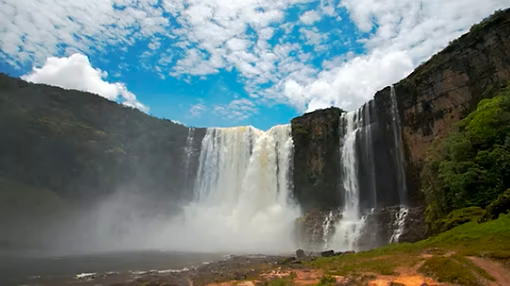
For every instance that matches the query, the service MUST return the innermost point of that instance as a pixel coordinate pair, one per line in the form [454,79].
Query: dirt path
[495,269]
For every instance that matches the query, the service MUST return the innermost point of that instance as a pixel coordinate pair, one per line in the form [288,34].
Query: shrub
[497,207]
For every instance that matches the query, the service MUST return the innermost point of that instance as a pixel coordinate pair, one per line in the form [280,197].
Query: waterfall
[348,229]
[400,171]
[399,149]
[243,193]
[398,224]
[326,225]
[368,153]
[188,151]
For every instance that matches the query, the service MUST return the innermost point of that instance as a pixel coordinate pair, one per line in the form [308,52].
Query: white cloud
[236,110]
[310,17]
[76,72]
[37,30]
[197,109]
[177,122]
[212,36]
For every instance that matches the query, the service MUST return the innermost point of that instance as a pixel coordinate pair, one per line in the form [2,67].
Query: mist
[241,202]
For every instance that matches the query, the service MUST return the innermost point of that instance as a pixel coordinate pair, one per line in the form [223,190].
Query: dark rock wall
[316,159]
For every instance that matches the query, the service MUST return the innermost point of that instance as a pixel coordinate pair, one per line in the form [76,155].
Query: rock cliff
[446,88]
[429,101]
[316,169]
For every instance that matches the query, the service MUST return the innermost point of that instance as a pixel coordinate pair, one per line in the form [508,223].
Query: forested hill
[81,147]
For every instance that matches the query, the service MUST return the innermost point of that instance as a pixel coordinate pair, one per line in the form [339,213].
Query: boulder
[328,253]
[300,253]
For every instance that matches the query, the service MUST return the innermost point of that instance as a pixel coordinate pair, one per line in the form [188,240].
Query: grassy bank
[442,257]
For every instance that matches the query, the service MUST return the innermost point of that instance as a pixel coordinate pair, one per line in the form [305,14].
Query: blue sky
[226,62]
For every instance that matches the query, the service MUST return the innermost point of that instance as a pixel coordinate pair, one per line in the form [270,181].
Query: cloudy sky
[229,62]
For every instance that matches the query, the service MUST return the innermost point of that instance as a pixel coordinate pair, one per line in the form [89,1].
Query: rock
[396,284]
[316,168]
[328,253]
[310,228]
[300,253]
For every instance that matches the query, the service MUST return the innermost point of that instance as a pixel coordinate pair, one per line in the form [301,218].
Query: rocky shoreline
[232,268]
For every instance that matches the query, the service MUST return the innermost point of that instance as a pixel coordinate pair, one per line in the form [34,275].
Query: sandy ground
[495,269]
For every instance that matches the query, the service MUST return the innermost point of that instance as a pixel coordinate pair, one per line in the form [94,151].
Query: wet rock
[328,253]
[310,228]
[300,253]
[414,227]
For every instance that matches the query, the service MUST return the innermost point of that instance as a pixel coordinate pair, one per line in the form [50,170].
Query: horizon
[226,64]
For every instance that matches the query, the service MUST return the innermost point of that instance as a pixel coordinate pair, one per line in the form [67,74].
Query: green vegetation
[446,269]
[471,167]
[497,207]
[25,198]
[483,24]
[458,217]
[84,147]
[470,265]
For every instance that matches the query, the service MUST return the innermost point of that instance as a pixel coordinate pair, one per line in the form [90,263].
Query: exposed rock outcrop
[316,156]
[315,228]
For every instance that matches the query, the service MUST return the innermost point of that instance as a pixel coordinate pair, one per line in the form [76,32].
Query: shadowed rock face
[316,159]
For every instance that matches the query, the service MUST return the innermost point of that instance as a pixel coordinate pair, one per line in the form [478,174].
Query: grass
[446,269]
[469,264]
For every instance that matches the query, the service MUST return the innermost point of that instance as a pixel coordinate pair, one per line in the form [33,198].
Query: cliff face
[428,102]
[316,159]
[447,87]
[83,147]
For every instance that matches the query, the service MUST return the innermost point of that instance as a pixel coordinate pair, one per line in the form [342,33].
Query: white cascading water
[400,163]
[188,151]
[399,149]
[242,194]
[399,223]
[348,229]
[326,225]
